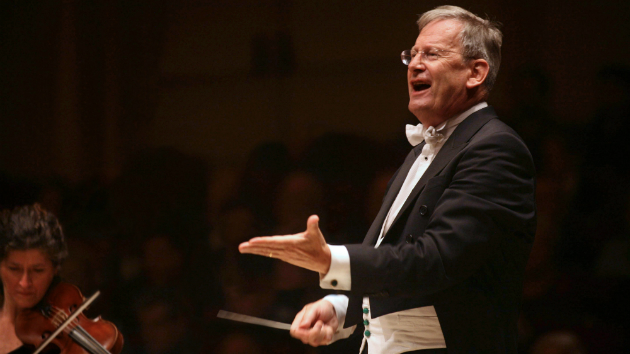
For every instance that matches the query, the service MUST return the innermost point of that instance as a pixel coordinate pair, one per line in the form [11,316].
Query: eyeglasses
[425,56]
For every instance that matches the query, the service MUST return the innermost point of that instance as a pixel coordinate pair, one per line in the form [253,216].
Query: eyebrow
[15,264]
[428,47]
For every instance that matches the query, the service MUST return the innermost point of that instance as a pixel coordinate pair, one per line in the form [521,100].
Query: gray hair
[479,38]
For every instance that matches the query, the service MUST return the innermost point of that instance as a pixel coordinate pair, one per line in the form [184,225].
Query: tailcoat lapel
[455,143]
[390,196]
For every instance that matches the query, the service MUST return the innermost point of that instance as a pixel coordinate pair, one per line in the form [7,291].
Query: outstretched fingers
[264,246]
[307,249]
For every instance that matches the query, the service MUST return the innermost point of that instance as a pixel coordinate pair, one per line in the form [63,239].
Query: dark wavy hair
[31,227]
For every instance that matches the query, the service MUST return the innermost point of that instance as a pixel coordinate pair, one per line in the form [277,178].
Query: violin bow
[65,323]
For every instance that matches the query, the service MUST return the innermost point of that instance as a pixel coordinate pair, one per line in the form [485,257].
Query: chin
[423,101]
[26,303]
[418,109]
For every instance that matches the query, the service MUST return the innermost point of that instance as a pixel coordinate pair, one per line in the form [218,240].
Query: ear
[479,69]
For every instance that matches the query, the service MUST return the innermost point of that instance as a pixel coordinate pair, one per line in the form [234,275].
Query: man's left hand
[306,249]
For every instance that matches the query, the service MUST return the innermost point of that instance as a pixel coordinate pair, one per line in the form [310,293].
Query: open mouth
[420,86]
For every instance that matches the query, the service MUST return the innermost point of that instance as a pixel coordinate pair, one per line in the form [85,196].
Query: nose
[416,64]
[25,280]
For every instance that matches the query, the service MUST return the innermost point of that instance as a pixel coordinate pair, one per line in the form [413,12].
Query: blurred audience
[558,342]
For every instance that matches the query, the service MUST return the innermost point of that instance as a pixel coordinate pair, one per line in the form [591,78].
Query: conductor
[441,268]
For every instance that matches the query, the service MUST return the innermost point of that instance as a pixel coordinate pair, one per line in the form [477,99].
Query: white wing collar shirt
[407,330]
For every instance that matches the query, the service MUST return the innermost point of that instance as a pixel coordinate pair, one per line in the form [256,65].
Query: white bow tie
[416,134]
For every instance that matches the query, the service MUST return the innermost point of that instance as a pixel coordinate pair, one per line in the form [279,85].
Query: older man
[441,268]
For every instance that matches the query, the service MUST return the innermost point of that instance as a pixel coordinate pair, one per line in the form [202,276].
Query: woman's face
[26,276]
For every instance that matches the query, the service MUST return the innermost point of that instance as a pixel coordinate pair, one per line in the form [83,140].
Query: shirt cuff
[340,303]
[338,276]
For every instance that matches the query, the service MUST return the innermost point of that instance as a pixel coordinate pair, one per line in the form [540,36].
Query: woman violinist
[32,248]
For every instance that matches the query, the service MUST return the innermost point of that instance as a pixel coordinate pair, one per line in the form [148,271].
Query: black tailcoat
[460,241]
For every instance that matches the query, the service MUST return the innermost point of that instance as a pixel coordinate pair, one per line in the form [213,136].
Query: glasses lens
[406,57]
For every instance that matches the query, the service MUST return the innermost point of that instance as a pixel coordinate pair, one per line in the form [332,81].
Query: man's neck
[436,120]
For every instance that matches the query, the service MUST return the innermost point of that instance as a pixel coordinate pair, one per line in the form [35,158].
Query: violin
[57,323]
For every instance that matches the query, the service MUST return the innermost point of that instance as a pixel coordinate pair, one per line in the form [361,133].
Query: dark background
[163,133]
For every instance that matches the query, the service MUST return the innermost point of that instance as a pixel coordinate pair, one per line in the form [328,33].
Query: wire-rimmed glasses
[429,55]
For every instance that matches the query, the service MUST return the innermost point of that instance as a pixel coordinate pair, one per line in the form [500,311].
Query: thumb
[312,225]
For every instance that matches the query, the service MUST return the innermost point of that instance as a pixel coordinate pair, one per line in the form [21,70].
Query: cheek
[449,87]
[7,280]
[43,282]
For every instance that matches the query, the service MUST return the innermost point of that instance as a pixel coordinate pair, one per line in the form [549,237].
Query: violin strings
[59,316]
[81,337]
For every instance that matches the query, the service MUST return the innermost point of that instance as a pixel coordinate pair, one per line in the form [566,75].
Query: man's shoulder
[495,127]
[501,141]
[499,125]
[485,125]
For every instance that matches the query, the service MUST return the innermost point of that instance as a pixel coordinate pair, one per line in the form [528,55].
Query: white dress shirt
[407,330]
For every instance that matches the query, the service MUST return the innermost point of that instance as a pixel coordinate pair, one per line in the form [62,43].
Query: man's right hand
[316,323]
